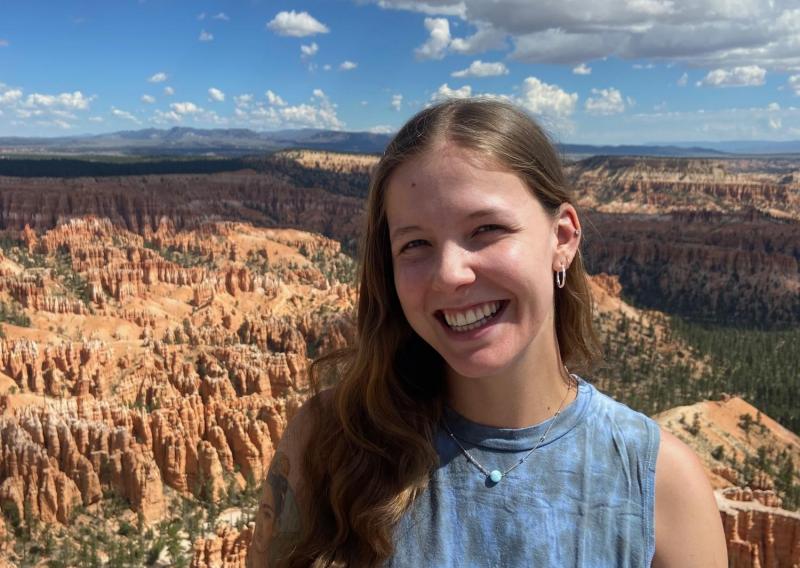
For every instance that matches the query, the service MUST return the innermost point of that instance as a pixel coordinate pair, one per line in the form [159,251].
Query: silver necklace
[496,475]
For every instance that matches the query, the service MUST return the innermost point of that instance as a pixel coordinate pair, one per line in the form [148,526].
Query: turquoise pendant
[495,476]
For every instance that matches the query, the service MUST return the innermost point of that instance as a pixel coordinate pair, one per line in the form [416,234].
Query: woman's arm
[278,517]
[689,531]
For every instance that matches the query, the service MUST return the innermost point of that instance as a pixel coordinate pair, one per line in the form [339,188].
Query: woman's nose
[453,268]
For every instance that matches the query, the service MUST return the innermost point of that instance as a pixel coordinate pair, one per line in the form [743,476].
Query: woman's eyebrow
[480,213]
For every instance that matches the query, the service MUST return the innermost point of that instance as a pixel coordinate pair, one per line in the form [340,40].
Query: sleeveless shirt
[584,497]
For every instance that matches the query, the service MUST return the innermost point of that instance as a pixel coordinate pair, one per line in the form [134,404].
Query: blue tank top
[585,497]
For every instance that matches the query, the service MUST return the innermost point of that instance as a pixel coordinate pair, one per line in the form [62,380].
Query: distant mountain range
[232,142]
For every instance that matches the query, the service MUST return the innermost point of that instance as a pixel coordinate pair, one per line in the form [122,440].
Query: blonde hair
[372,449]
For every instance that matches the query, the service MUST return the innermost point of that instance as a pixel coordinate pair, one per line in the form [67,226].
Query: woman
[454,434]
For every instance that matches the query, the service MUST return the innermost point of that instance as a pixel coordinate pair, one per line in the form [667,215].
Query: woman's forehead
[453,183]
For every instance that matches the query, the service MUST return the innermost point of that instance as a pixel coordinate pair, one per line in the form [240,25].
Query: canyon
[157,333]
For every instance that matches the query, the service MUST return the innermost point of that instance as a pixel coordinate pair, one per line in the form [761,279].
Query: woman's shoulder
[605,408]
[277,520]
[688,525]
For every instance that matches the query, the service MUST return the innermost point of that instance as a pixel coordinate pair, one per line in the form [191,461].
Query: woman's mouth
[474,317]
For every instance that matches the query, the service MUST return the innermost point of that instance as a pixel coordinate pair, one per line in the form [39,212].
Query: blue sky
[611,71]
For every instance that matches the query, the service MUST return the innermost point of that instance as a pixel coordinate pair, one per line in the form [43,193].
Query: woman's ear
[567,230]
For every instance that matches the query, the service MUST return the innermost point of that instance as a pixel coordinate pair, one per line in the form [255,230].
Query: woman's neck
[513,399]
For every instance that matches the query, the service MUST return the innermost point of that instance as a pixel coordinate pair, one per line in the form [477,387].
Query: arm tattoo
[278,519]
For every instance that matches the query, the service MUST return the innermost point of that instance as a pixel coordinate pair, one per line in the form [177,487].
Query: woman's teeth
[473,318]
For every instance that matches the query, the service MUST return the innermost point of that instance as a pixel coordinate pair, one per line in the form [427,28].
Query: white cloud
[216,95]
[221,16]
[320,113]
[169,91]
[309,50]
[274,99]
[486,38]
[775,123]
[75,100]
[124,114]
[683,80]
[243,100]
[435,7]
[439,39]
[348,65]
[296,24]
[639,66]
[205,36]
[794,84]
[327,67]
[397,102]
[96,119]
[148,99]
[185,108]
[747,76]
[4,43]
[605,102]
[159,77]
[9,96]
[445,92]
[704,33]
[201,16]
[546,100]
[582,69]
[480,69]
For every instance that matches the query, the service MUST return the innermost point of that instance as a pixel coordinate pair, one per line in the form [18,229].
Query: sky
[592,71]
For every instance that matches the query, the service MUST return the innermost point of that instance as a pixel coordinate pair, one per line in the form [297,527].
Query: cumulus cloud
[397,102]
[309,50]
[480,69]
[348,65]
[794,84]
[546,100]
[148,99]
[436,7]
[169,91]
[185,108]
[8,96]
[75,100]
[124,114]
[704,33]
[321,112]
[746,76]
[439,39]
[605,102]
[296,24]
[683,80]
[221,16]
[205,36]
[159,77]
[445,92]
[243,100]
[274,99]
[216,95]
[582,69]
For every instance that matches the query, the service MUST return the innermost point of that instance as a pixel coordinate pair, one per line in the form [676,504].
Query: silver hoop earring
[563,280]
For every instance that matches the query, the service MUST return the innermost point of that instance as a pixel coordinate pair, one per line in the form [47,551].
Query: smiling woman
[455,434]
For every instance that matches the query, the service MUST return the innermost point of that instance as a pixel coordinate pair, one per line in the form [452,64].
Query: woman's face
[474,255]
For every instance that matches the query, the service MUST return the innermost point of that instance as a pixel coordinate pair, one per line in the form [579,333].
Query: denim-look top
[584,498]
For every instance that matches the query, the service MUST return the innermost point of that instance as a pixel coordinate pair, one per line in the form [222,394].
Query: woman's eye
[487,228]
[412,244]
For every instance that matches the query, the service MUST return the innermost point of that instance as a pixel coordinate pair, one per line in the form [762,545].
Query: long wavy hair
[370,451]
